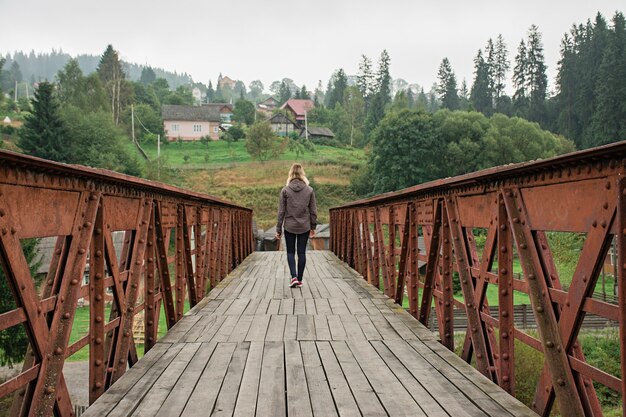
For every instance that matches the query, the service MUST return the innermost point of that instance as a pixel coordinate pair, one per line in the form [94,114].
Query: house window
[175,127]
[197,128]
[216,129]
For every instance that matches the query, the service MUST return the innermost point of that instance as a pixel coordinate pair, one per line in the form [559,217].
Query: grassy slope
[231,173]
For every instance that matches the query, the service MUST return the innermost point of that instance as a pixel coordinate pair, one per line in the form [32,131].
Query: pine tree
[500,69]
[383,79]
[520,81]
[284,93]
[490,61]
[566,88]
[381,97]
[71,85]
[447,86]
[537,78]
[480,95]
[609,120]
[147,76]
[340,83]
[44,134]
[112,76]
[210,93]
[304,94]
[365,79]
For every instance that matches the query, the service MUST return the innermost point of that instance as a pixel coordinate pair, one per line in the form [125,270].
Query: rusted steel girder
[164,229]
[515,208]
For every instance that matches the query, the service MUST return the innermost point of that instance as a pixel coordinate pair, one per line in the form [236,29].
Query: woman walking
[298,211]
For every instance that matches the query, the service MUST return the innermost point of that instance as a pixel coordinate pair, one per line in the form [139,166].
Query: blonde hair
[297,172]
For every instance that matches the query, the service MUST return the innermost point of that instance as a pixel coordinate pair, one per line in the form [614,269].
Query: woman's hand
[312,233]
[277,236]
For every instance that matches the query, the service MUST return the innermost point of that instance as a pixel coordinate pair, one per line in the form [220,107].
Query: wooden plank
[291,328]
[323,307]
[241,329]
[369,404]
[319,390]
[179,395]
[299,306]
[352,328]
[209,332]
[335,325]
[427,403]
[248,391]
[154,399]
[258,328]
[205,394]
[147,369]
[273,307]
[453,400]
[368,328]
[286,306]
[298,403]
[339,387]
[276,328]
[322,330]
[306,328]
[271,398]
[390,391]
[227,398]
[338,306]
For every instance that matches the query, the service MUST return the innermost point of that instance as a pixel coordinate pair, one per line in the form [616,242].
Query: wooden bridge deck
[336,347]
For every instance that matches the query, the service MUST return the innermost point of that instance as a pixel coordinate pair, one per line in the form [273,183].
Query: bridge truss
[515,209]
[175,245]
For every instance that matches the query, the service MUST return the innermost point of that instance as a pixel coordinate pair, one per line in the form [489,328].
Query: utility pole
[159,157]
[306,126]
[132,123]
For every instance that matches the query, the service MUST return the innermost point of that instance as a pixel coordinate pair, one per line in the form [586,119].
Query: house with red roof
[298,107]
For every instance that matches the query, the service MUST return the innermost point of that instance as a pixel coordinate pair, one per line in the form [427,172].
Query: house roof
[281,118]
[190,113]
[205,113]
[299,106]
[320,131]
[269,100]
[220,106]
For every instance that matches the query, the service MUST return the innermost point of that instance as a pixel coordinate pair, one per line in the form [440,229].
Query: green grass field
[220,153]
[81,329]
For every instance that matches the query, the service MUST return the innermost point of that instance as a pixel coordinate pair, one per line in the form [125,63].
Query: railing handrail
[103,175]
[615,151]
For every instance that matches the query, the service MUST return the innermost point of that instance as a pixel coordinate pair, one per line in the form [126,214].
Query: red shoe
[294,282]
[300,284]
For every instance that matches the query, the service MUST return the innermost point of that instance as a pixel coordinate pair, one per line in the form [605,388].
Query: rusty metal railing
[516,208]
[175,244]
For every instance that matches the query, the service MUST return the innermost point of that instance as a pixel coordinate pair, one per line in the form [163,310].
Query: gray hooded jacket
[296,208]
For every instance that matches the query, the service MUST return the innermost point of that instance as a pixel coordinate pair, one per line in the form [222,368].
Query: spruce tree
[381,97]
[147,76]
[284,93]
[112,76]
[340,83]
[499,71]
[536,76]
[480,95]
[609,119]
[365,79]
[44,134]
[210,93]
[446,88]
[520,71]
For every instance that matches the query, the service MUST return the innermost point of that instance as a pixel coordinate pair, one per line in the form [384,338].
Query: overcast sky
[304,41]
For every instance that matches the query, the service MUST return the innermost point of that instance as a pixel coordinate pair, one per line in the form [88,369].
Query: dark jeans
[296,240]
